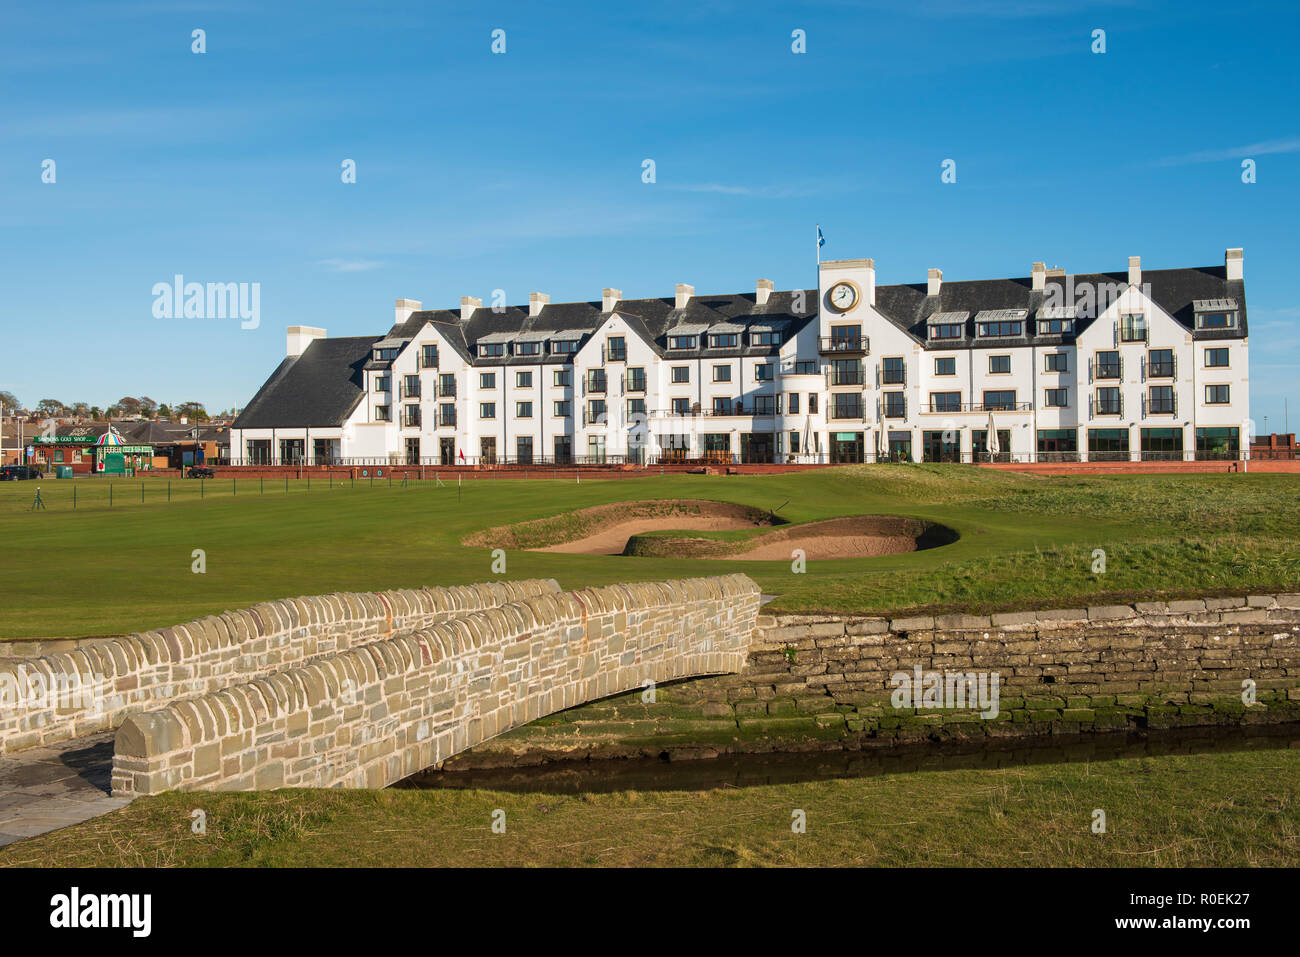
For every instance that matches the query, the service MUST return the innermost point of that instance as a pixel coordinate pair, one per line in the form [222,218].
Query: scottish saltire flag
[821,240]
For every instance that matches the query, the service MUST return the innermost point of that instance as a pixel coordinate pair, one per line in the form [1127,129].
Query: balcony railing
[1108,406]
[447,421]
[1163,370]
[895,410]
[836,345]
[635,384]
[1107,370]
[447,391]
[846,411]
[846,377]
[958,407]
[594,386]
[1163,406]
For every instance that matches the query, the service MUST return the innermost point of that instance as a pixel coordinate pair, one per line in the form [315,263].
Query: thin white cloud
[762,192]
[1289,145]
[350,265]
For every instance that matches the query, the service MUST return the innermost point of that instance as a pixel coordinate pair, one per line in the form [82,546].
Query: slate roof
[319,388]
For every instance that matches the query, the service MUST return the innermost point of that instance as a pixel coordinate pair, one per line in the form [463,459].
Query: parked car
[200,471]
[16,473]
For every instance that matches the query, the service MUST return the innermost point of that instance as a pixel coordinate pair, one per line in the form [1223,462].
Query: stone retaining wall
[1152,664]
[372,715]
[93,688]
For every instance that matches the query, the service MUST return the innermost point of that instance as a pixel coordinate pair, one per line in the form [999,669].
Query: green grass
[1227,810]
[1026,541]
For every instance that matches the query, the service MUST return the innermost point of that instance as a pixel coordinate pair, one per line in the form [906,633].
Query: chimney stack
[1234,262]
[934,281]
[467,306]
[535,302]
[299,338]
[869,266]
[609,298]
[684,293]
[1135,270]
[1056,272]
[404,309]
[764,291]
[1038,277]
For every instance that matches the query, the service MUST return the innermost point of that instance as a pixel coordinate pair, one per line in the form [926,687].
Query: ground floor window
[524,449]
[846,447]
[413,451]
[259,451]
[900,446]
[596,448]
[1058,445]
[979,444]
[1162,444]
[563,445]
[941,446]
[447,451]
[1218,443]
[757,447]
[1108,445]
[487,446]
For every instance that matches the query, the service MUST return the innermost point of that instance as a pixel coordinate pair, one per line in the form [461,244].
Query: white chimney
[934,280]
[869,267]
[404,309]
[764,291]
[1234,261]
[535,302]
[1056,272]
[467,306]
[1038,277]
[609,299]
[299,338]
[684,293]
[1135,270]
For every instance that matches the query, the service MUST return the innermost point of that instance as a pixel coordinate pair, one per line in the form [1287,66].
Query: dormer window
[386,355]
[564,347]
[1000,330]
[947,330]
[1216,320]
[492,350]
[683,342]
[1055,327]
[528,348]
[765,338]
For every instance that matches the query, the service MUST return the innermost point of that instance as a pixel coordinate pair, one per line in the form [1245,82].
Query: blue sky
[522,171]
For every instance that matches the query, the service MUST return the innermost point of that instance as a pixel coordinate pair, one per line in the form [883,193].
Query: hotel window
[999,365]
[563,408]
[1055,327]
[895,405]
[564,347]
[812,403]
[846,372]
[487,380]
[492,350]
[446,414]
[681,406]
[893,371]
[1216,320]
[411,386]
[595,380]
[1216,358]
[792,403]
[523,410]
[635,407]
[847,405]
[945,401]
[805,367]
[1001,400]
[683,342]
[1160,364]
[428,357]
[765,338]
[595,411]
[562,377]
[1108,365]
[386,355]
[764,372]
[524,449]
[616,349]
[487,410]
[383,413]
[411,415]
[383,383]
[533,348]
[1133,327]
[681,373]
[947,330]
[1056,398]
[1058,362]
[1109,401]
[724,340]
[1216,395]
[1161,400]
[523,380]
[446,384]
[765,405]
[999,330]
[636,380]
[945,365]
[721,405]
[722,373]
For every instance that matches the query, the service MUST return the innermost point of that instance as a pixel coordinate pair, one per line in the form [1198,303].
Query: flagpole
[818,242]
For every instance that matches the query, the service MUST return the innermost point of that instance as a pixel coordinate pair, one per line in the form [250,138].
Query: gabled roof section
[319,388]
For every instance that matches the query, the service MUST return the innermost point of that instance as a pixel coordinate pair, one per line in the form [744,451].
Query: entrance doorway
[487,450]
[846,447]
[757,447]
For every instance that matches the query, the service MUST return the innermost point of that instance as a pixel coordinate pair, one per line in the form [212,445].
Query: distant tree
[113,412]
[148,407]
[81,409]
[48,408]
[164,411]
[128,405]
[193,411]
[96,412]
[9,403]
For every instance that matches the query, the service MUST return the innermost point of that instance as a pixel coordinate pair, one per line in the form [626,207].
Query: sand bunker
[649,529]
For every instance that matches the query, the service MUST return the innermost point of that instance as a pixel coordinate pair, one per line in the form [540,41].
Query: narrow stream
[748,770]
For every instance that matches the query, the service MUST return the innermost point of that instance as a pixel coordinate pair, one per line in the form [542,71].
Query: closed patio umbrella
[993,446]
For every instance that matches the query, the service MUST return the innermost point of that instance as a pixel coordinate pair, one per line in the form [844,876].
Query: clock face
[843,296]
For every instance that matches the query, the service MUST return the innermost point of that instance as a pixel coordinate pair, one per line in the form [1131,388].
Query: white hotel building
[1133,365]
